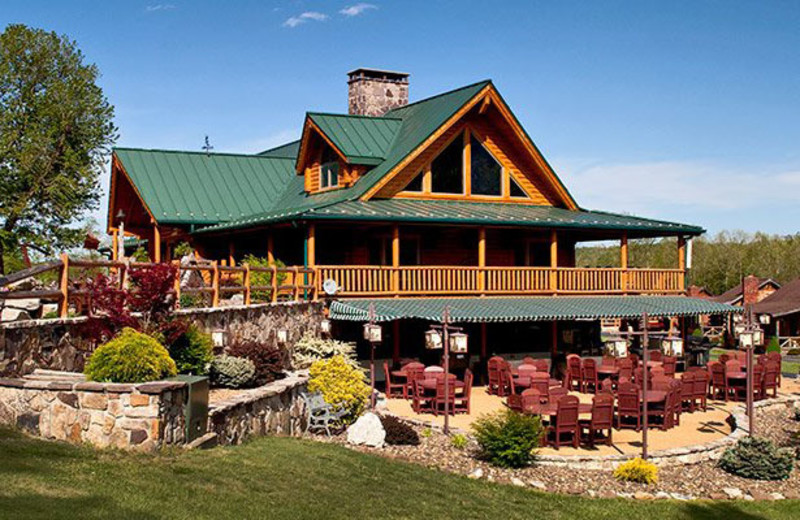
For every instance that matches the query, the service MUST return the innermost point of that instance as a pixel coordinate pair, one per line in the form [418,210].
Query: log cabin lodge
[412,207]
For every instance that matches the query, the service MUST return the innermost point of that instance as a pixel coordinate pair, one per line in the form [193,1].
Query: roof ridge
[485,81]
[354,116]
[277,147]
[161,150]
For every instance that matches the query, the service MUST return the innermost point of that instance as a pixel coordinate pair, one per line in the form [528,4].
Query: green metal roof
[200,188]
[492,310]
[284,151]
[362,139]
[474,213]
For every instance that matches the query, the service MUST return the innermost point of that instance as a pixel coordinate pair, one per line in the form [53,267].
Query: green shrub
[341,384]
[459,441]
[232,372]
[507,438]
[399,433]
[311,348]
[697,333]
[774,345]
[192,351]
[182,249]
[758,459]
[130,357]
[269,361]
[262,278]
[427,432]
[637,470]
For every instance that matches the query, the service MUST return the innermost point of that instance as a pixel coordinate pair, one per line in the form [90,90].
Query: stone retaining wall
[275,408]
[56,344]
[140,416]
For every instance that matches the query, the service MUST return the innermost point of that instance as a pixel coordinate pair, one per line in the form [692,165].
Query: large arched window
[486,173]
[447,170]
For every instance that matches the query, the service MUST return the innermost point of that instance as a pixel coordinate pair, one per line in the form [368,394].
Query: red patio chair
[394,389]
[442,397]
[421,401]
[608,361]
[602,419]
[573,377]
[541,382]
[737,387]
[607,386]
[628,406]
[495,372]
[677,409]
[654,355]
[526,370]
[719,383]
[663,412]
[700,388]
[434,369]
[463,396]
[530,399]
[589,376]
[771,379]
[634,360]
[688,397]
[657,372]
[625,369]
[724,358]
[566,422]
[512,391]
[669,363]
[775,357]
[556,393]
[541,365]
[660,382]
[413,372]
[527,360]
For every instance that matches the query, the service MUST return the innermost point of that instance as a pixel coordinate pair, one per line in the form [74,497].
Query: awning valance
[495,310]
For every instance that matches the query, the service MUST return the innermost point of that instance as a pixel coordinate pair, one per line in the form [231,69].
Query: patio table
[656,396]
[430,384]
[607,371]
[551,409]
[737,375]
[653,364]
[522,381]
[399,373]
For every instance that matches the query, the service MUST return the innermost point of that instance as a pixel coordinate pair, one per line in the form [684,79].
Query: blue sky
[681,110]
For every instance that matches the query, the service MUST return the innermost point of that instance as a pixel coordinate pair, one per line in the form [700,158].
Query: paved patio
[695,428]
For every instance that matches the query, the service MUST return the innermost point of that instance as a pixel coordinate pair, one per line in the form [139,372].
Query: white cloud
[294,21]
[357,9]
[655,187]
[160,7]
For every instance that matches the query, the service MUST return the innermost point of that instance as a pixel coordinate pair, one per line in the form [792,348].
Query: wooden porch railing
[355,281]
[215,281]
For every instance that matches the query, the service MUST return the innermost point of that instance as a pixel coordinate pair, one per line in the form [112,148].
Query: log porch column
[231,253]
[270,248]
[156,244]
[114,244]
[623,261]
[482,259]
[396,259]
[311,242]
[682,262]
[553,261]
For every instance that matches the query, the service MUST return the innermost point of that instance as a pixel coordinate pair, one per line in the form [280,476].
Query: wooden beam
[553,261]
[156,244]
[312,241]
[63,304]
[487,100]
[682,253]
[467,162]
[396,258]
[114,244]
[482,258]
[623,262]
[270,248]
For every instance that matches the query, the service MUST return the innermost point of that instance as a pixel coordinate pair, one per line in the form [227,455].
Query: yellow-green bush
[341,384]
[130,357]
[637,470]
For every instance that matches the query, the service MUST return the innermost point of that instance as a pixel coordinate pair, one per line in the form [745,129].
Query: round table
[607,370]
[430,384]
[736,375]
[656,396]
[551,409]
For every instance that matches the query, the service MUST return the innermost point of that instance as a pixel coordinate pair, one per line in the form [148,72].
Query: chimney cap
[380,74]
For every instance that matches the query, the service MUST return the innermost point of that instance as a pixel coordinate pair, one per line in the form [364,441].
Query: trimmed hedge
[130,357]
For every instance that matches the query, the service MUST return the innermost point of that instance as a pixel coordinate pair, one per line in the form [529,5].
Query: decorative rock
[517,482]
[642,495]
[777,496]
[538,484]
[733,493]
[661,495]
[477,473]
[367,430]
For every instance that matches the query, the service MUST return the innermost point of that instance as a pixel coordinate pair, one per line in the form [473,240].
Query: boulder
[367,430]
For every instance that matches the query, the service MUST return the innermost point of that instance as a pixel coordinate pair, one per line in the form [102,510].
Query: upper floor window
[329,170]
[514,189]
[447,170]
[486,173]
[416,184]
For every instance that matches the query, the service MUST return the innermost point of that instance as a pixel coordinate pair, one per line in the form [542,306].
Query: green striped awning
[489,310]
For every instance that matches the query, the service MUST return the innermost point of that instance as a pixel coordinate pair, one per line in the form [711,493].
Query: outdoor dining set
[428,389]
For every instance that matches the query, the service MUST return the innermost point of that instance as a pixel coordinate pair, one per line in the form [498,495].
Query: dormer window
[329,170]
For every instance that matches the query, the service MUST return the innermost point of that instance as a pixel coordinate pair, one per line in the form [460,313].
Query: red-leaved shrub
[270,362]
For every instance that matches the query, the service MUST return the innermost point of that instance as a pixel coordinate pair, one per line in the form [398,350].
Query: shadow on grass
[719,511]
[20,454]
[43,506]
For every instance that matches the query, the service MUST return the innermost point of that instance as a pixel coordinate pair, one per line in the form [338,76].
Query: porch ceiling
[488,310]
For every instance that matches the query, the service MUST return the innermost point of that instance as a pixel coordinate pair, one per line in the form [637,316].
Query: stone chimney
[750,290]
[374,92]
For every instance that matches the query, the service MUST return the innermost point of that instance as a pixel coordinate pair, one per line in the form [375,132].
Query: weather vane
[207,146]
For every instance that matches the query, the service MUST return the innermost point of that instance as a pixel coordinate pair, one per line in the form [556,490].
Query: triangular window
[415,185]
[486,172]
[515,190]
[447,171]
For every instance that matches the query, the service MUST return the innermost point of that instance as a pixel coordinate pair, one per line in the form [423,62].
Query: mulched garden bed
[703,480]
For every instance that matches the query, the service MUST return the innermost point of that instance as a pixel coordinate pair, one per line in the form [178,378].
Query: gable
[487,117]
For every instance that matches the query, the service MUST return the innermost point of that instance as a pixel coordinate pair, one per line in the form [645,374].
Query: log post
[215,284]
[274,283]
[554,261]
[114,244]
[231,253]
[395,259]
[63,305]
[623,262]
[270,249]
[482,260]
[682,263]
[247,284]
[156,244]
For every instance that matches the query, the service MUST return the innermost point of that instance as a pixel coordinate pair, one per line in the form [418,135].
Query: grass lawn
[787,367]
[290,478]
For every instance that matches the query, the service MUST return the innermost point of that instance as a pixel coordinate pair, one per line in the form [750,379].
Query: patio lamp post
[750,336]
[373,335]
[451,338]
[645,376]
